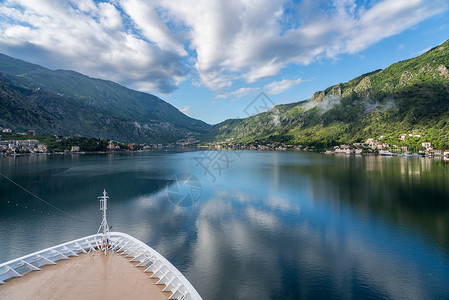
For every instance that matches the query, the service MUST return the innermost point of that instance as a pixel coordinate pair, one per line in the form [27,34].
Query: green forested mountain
[408,97]
[69,103]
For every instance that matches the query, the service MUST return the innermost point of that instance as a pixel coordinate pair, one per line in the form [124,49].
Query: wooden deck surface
[85,277]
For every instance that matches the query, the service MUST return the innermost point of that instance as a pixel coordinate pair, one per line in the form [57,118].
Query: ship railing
[122,243]
[34,261]
[155,263]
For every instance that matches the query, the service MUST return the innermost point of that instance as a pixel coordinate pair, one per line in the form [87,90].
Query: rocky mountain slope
[67,103]
[410,96]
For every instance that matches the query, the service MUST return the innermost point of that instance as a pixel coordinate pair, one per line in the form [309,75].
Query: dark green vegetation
[60,143]
[85,144]
[69,103]
[408,97]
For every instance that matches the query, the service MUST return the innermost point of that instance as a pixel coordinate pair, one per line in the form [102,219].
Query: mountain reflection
[274,225]
[407,192]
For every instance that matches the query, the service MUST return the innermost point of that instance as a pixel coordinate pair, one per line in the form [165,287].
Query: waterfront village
[23,146]
[370,146]
[373,146]
[18,146]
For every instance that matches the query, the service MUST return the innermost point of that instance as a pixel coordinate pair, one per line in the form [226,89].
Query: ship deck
[86,277]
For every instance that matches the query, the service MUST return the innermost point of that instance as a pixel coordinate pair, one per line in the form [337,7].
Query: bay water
[248,224]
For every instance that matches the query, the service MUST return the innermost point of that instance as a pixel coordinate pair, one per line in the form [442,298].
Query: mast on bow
[104,223]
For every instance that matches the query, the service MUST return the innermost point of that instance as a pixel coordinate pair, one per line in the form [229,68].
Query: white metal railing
[121,243]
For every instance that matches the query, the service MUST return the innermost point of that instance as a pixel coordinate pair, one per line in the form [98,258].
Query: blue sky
[211,58]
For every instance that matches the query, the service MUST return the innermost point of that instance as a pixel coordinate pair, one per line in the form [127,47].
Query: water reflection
[274,225]
[250,249]
[407,192]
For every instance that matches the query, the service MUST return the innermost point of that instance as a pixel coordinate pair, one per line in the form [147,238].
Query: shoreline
[444,158]
[99,152]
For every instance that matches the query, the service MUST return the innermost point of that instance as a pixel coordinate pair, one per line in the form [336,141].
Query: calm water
[267,225]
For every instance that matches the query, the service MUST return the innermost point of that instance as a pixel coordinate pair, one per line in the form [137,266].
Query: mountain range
[69,103]
[410,97]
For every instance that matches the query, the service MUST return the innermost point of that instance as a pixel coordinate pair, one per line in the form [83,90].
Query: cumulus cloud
[154,45]
[249,41]
[277,87]
[91,38]
[146,19]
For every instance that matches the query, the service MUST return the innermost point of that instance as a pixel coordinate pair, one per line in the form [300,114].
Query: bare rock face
[363,86]
[426,69]
[318,96]
[348,92]
[405,77]
[388,87]
[443,71]
[336,90]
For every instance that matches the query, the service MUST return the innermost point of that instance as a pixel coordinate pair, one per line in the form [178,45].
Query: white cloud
[154,45]
[90,38]
[185,110]
[239,93]
[110,16]
[249,40]
[277,87]
[152,26]
[388,18]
